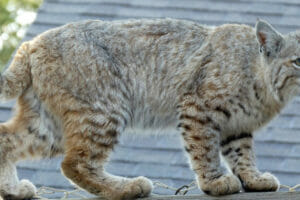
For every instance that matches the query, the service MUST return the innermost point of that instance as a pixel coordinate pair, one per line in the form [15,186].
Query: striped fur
[82,85]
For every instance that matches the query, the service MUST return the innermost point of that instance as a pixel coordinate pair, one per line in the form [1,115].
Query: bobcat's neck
[276,98]
[270,101]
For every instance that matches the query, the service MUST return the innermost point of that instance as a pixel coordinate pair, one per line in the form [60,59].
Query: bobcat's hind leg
[12,149]
[87,149]
[238,151]
[11,187]
[20,140]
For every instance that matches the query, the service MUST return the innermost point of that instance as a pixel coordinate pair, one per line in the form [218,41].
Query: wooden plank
[280,135]
[287,2]
[275,149]
[240,196]
[123,11]
[37,28]
[7,105]
[281,2]
[5,114]
[201,6]
[59,15]
[56,19]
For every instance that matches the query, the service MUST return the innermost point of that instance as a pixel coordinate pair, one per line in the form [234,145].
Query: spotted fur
[82,85]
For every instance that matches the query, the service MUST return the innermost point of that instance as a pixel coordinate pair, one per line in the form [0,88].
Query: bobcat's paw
[137,187]
[259,183]
[226,184]
[24,190]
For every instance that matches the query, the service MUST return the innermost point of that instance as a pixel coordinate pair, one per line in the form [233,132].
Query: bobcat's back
[146,66]
[142,64]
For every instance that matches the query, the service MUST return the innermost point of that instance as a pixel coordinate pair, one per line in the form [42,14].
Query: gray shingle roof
[161,157]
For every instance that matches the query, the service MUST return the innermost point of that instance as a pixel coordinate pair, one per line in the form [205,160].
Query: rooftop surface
[161,157]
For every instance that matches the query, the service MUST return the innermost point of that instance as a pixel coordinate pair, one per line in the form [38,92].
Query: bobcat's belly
[151,121]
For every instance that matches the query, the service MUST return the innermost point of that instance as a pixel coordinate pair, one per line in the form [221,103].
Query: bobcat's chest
[249,117]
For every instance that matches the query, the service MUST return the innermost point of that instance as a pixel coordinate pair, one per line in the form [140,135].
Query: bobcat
[81,85]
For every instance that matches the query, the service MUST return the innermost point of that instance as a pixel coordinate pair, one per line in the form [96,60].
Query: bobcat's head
[280,54]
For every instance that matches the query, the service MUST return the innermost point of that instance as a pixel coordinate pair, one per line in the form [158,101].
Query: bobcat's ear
[269,39]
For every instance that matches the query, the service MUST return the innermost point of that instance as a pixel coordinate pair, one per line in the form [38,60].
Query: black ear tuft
[269,39]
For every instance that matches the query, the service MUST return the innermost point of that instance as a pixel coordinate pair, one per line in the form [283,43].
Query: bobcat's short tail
[17,78]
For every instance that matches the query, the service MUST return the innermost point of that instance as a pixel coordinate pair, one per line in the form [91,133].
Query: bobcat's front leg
[201,136]
[238,151]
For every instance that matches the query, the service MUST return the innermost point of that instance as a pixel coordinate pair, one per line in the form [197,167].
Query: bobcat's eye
[296,63]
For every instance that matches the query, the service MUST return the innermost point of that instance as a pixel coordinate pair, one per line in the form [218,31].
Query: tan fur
[81,85]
